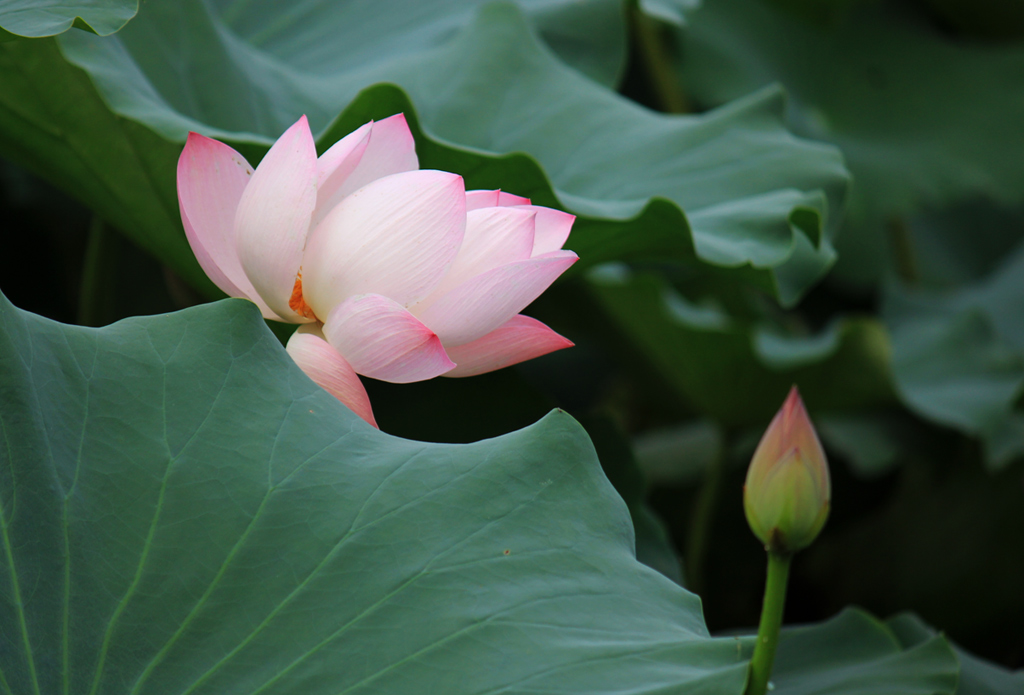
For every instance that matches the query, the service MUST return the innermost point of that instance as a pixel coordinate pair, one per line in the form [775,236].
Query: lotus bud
[787,491]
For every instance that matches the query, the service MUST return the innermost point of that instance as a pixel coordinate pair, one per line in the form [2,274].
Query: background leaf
[856,654]
[923,119]
[977,676]
[35,18]
[708,356]
[482,83]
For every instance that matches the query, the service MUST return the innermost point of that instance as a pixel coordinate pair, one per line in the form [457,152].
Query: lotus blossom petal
[273,217]
[395,237]
[519,339]
[494,236]
[552,229]
[391,150]
[329,370]
[211,178]
[335,167]
[381,339]
[489,199]
[477,307]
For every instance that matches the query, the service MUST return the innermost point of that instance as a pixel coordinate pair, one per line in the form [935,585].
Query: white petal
[519,339]
[273,217]
[496,198]
[390,150]
[395,237]
[477,307]
[381,339]
[335,167]
[211,178]
[552,229]
[494,236]
[329,370]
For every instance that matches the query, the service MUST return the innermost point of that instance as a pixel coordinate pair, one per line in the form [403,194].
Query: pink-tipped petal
[507,199]
[477,307]
[329,370]
[494,236]
[273,217]
[211,178]
[334,167]
[396,237]
[519,339]
[391,150]
[489,199]
[381,339]
[552,229]
[481,199]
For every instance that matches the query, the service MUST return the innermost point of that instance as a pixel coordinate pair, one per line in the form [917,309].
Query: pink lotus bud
[787,491]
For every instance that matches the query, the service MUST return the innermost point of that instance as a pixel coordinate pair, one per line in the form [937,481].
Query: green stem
[657,61]
[903,250]
[96,295]
[771,621]
[703,514]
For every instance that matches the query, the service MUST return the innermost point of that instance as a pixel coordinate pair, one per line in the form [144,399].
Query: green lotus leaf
[708,357]
[497,94]
[183,511]
[924,119]
[36,18]
[977,676]
[958,356]
[857,654]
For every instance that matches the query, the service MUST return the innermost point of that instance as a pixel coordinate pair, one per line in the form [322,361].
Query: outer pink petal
[553,227]
[211,178]
[494,236]
[391,150]
[396,237]
[273,217]
[489,199]
[507,199]
[519,339]
[477,307]
[329,370]
[481,199]
[381,339]
[335,166]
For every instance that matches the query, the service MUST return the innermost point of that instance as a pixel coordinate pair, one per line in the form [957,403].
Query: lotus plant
[786,497]
[393,272]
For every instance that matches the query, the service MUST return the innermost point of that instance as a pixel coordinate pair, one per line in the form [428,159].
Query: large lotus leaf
[922,118]
[182,510]
[483,85]
[856,654]
[37,18]
[977,676]
[958,356]
[653,544]
[708,356]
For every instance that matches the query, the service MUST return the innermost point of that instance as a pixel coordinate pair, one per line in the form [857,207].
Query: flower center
[297,303]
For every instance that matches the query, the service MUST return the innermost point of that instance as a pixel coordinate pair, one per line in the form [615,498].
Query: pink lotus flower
[395,273]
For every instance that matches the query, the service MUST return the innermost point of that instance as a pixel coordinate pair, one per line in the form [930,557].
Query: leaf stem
[903,250]
[771,621]
[703,512]
[657,61]
[98,272]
